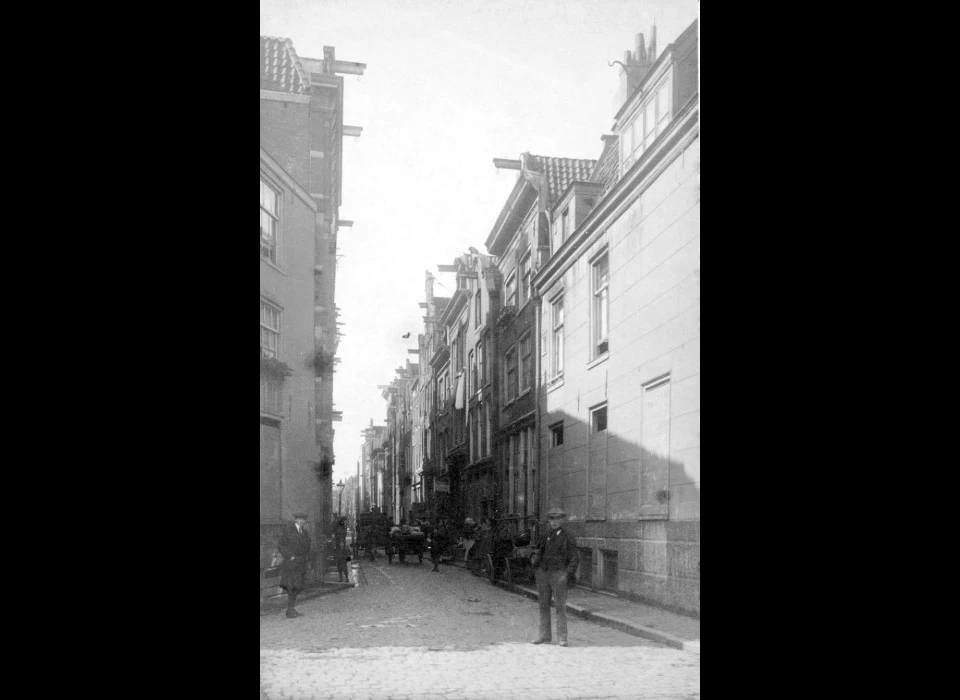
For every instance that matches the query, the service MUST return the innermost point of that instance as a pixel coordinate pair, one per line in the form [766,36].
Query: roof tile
[561,172]
[280,67]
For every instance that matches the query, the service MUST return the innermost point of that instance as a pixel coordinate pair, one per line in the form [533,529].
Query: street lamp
[340,500]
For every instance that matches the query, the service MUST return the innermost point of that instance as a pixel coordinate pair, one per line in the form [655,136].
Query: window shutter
[655,453]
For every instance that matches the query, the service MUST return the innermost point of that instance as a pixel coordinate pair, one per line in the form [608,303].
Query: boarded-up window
[655,459]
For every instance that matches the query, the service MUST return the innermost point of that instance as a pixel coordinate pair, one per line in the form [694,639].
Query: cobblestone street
[411,634]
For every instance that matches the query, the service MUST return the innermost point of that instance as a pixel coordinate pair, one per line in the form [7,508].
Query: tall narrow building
[301,166]
[619,306]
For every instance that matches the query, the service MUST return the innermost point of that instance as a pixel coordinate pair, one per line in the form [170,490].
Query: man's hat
[556,512]
[300,516]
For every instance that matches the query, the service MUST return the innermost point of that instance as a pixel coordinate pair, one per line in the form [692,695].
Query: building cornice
[272,96]
[511,217]
[681,132]
[287,179]
[455,307]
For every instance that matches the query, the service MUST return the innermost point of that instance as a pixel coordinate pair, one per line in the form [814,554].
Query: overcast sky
[450,85]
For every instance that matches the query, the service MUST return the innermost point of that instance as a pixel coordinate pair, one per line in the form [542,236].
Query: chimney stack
[429,288]
[637,64]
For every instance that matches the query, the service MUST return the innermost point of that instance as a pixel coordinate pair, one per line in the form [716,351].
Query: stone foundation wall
[656,562]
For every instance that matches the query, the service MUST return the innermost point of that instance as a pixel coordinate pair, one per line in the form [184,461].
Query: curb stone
[630,628]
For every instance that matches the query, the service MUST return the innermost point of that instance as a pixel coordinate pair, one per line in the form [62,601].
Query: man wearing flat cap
[296,547]
[555,560]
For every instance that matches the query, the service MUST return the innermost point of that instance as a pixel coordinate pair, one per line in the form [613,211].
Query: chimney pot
[641,47]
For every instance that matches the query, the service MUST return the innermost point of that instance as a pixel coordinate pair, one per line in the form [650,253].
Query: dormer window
[647,124]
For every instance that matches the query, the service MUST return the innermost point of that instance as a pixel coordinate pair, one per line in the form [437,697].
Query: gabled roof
[540,177]
[280,67]
[607,171]
[561,172]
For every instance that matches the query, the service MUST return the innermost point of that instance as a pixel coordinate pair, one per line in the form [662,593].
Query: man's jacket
[295,547]
[558,552]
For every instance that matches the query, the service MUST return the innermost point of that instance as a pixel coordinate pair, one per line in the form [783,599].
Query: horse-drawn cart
[373,533]
[407,541]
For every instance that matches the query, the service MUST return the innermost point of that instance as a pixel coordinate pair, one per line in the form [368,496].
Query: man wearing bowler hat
[295,546]
[556,558]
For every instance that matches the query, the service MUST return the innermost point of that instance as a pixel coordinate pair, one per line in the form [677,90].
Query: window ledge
[599,361]
[524,393]
[274,266]
[555,384]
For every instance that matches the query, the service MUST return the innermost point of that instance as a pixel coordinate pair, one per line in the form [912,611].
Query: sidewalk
[645,621]
[270,606]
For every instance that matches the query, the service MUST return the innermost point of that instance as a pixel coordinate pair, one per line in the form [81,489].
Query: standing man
[296,547]
[340,552]
[556,558]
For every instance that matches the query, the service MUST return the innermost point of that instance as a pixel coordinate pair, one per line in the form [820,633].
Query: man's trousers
[552,584]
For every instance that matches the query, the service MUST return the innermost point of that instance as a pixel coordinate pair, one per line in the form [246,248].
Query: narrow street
[412,634]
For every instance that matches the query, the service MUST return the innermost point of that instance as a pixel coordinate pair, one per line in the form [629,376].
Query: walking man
[296,547]
[556,558]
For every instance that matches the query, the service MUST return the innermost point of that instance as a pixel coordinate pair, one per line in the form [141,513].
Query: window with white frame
[557,345]
[472,383]
[478,311]
[485,431]
[270,395]
[598,419]
[481,365]
[269,330]
[556,435]
[601,306]
[650,121]
[511,295]
[269,221]
[526,273]
[526,362]
[510,372]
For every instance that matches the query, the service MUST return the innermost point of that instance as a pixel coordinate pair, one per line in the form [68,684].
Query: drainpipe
[539,395]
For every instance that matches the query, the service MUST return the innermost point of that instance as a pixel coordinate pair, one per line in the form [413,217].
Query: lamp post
[340,500]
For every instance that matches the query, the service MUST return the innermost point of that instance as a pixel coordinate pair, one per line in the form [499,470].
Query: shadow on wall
[634,509]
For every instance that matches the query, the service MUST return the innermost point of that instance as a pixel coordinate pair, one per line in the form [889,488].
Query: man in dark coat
[555,560]
[439,541]
[340,551]
[296,547]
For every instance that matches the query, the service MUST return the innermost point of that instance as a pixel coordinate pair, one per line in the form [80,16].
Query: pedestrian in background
[556,559]
[439,541]
[468,539]
[340,552]
[295,547]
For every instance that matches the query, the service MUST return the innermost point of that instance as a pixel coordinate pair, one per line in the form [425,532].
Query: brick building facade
[301,134]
